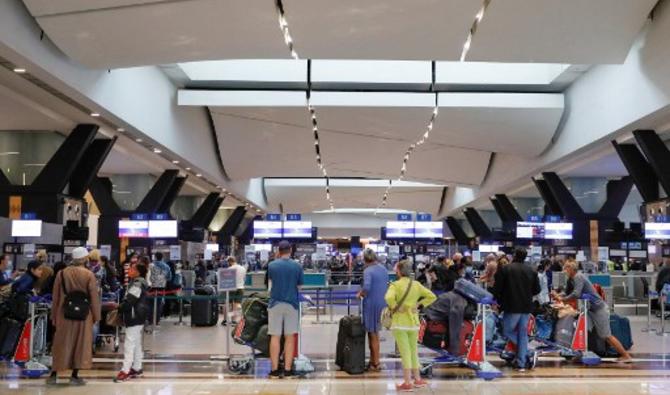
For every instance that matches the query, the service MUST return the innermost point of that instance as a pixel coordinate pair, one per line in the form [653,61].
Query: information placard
[227,279]
[175,252]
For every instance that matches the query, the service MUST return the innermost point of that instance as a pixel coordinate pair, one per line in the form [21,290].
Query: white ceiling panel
[51,7]
[265,142]
[17,113]
[521,124]
[389,29]
[168,32]
[565,31]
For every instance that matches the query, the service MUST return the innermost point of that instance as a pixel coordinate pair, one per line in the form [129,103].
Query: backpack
[77,303]
[157,277]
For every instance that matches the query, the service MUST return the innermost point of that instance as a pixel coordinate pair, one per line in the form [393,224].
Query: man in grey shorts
[284,276]
[599,313]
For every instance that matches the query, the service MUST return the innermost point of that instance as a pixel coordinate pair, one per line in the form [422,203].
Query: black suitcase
[10,334]
[204,312]
[350,351]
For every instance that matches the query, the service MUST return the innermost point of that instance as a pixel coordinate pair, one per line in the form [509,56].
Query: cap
[284,245]
[79,253]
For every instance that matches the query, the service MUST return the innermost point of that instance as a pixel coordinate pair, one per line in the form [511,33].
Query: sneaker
[521,370]
[77,381]
[276,374]
[52,380]
[404,387]
[122,376]
[136,374]
[420,383]
[290,374]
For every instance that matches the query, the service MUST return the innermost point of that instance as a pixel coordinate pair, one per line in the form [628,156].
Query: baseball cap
[79,253]
[284,245]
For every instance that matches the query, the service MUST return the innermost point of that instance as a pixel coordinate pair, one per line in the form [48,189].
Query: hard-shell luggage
[620,327]
[466,335]
[565,330]
[204,312]
[10,334]
[350,351]
[472,291]
[433,334]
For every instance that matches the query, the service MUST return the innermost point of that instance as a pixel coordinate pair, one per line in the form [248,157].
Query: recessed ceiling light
[157,151]
[95,114]
[138,140]
[198,175]
[188,168]
[121,130]
[9,153]
[176,162]
[19,70]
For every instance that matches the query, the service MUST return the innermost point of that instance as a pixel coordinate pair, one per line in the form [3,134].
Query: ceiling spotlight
[138,140]
[95,114]
[120,130]
[188,168]
[157,151]
[19,70]
[176,162]
[198,175]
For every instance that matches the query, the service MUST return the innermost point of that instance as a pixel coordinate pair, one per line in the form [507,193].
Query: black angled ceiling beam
[643,175]
[101,190]
[171,195]
[498,207]
[617,193]
[201,214]
[569,206]
[550,203]
[458,232]
[657,154]
[154,198]
[5,184]
[477,223]
[89,166]
[212,213]
[248,233]
[507,206]
[57,172]
[230,227]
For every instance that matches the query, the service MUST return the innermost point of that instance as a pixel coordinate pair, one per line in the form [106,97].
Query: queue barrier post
[650,296]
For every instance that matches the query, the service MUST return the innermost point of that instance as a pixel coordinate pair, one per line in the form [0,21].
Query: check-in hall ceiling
[123,33]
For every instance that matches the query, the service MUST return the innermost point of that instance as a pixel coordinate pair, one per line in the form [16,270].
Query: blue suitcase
[620,327]
[472,291]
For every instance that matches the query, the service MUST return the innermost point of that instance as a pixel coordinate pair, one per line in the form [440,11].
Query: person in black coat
[135,311]
[663,276]
[515,286]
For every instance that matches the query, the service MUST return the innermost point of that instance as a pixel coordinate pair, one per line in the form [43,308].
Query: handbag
[77,304]
[114,318]
[387,314]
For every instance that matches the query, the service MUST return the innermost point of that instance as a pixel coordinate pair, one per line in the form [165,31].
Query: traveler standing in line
[490,268]
[663,275]
[5,278]
[238,294]
[73,341]
[134,310]
[373,291]
[599,313]
[515,286]
[159,277]
[542,276]
[285,276]
[95,265]
[26,283]
[133,259]
[406,295]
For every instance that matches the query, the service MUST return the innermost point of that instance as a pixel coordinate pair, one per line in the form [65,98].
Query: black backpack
[77,303]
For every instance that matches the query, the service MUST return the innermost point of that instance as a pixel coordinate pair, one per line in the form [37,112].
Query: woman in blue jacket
[26,282]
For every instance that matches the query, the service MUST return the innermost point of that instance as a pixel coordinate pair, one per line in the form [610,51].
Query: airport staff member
[599,313]
[285,276]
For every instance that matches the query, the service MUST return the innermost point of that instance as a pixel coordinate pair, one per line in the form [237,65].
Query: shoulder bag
[387,314]
[77,303]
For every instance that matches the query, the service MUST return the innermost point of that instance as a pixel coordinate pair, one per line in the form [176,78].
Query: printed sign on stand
[227,279]
[208,254]
[106,250]
[603,254]
[175,252]
[321,252]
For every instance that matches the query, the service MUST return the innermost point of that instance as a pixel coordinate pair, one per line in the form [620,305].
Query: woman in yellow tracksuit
[405,323]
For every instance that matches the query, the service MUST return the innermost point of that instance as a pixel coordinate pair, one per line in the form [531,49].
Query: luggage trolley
[579,347]
[110,301]
[31,353]
[475,358]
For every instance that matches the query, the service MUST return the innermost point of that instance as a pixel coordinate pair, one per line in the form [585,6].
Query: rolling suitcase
[350,351]
[620,327]
[10,334]
[565,330]
[204,312]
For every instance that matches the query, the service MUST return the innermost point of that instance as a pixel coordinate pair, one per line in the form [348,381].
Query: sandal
[373,368]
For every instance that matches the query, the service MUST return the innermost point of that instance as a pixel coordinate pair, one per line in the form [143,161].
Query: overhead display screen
[267,229]
[427,230]
[298,229]
[163,229]
[657,231]
[558,231]
[399,229]
[530,230]
[26,228]
[133,229]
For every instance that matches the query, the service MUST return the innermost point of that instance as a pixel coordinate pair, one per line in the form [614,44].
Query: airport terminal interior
[321,197]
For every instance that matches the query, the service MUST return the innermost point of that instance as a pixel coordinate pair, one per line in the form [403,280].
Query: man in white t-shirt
[236,296]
